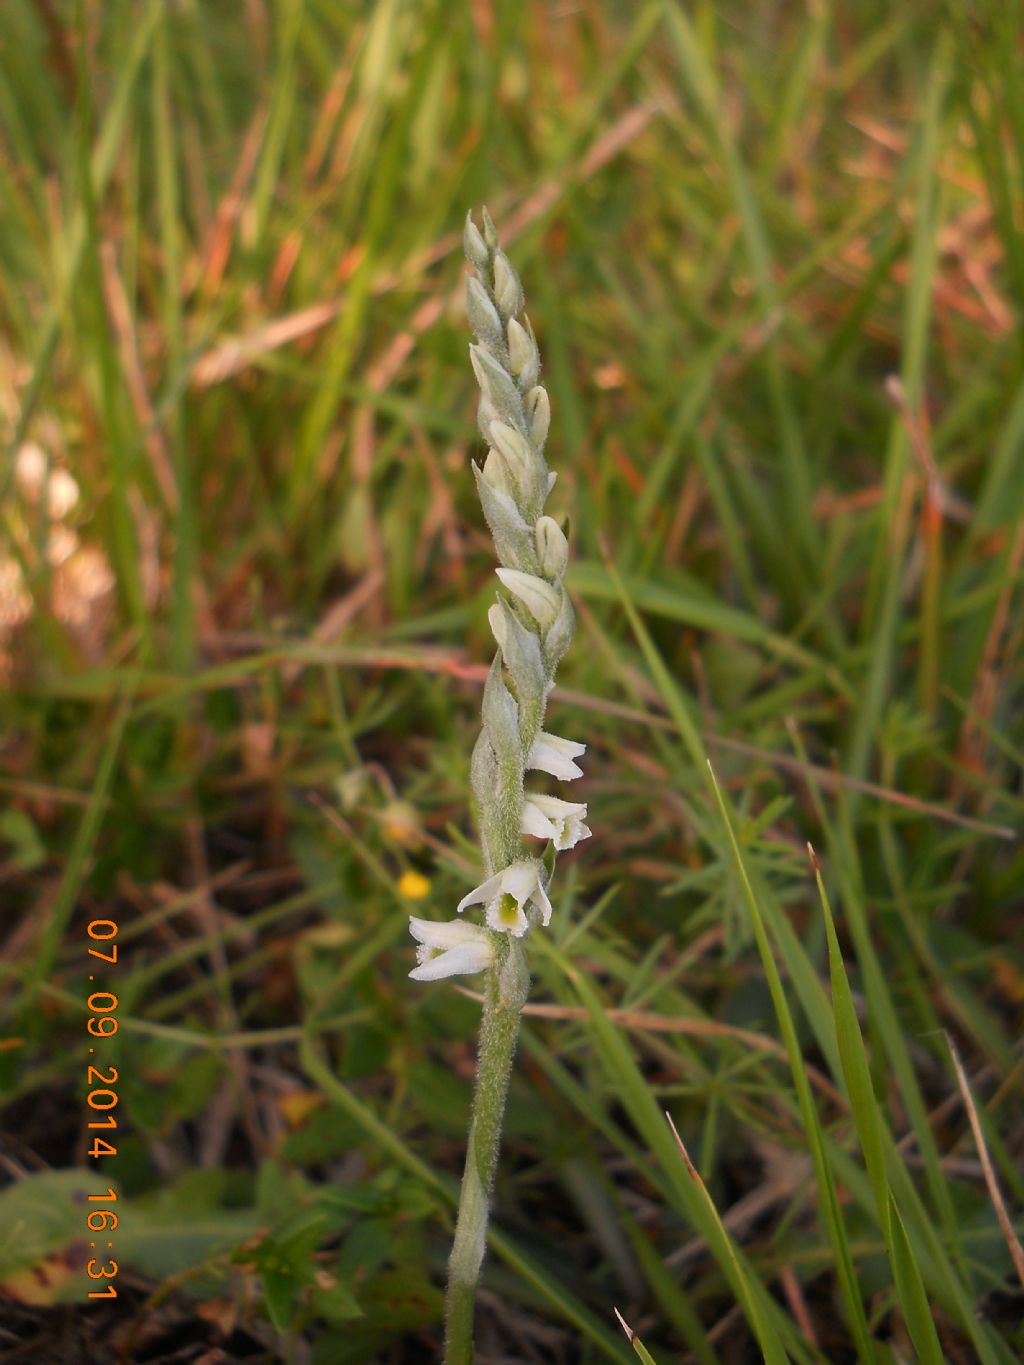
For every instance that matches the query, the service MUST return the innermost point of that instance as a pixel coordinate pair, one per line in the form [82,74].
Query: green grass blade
[770,1345]
[855,1064]
[695,1203]
[827,1193]
[910,1290]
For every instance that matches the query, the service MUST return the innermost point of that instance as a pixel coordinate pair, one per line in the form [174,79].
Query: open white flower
[449,948]
[548,817]
[506,896]
[554,755]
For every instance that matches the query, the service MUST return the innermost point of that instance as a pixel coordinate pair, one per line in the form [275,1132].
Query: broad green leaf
[45,1240]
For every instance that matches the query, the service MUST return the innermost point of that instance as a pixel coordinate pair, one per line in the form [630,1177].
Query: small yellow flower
[413,886]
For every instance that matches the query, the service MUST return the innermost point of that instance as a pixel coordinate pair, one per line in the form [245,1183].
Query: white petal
[463,960]
[446,933]
[557,809]
[554,755]
[484,892]
[520,880]
[540,897]
[536,823]
[549,817]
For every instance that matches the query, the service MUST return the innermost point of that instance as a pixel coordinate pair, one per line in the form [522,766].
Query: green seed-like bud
[537,406]
[520,649]
[496,473]
[474,245]
[508,292]
[523,354]
[513,538]
[540,599]
[514,447]
[483,317]
[490,231]
[498,387]
[552,547]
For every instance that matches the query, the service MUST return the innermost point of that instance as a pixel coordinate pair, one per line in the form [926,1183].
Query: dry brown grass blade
[994,1192]
[233,355]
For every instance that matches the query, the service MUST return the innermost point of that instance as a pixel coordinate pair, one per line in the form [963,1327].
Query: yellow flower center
[508,909]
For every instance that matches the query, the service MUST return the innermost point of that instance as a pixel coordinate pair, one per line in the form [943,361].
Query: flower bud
[496,473]
[485,415]
[514,448]
[483,317]
[490,231]
[537,406]
[523,354]
[552,547]
[499,627]
[541,600]
[513,537]
[474,245]
[497,386]
[520,650]
[508,292]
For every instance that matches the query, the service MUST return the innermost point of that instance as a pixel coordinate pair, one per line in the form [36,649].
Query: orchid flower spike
[533,623]
[449,948]
[506,896]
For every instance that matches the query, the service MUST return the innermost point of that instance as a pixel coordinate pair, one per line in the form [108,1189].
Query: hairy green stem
[506,991]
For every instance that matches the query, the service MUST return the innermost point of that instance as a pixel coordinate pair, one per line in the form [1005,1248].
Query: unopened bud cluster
[532,624]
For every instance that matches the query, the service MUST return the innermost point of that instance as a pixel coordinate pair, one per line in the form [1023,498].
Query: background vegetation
[774,255]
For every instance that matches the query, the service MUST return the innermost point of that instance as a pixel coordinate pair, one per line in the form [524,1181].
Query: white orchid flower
[506,896]
[548,817]
[449,948]
[554,755]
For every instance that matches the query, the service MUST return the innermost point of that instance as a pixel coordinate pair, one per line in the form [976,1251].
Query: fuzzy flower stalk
[532,621]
